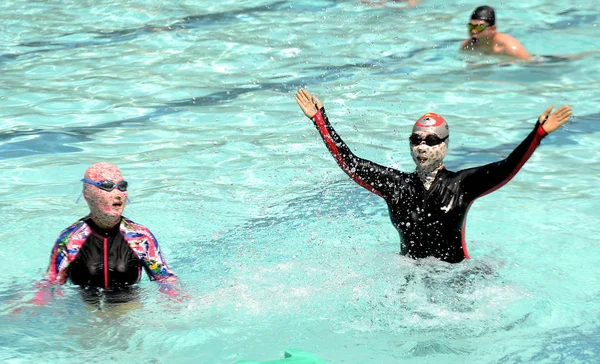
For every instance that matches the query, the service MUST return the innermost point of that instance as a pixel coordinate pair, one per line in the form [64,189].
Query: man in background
[484,38]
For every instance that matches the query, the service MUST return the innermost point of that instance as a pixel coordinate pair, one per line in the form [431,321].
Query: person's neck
[105,222]
[427,174]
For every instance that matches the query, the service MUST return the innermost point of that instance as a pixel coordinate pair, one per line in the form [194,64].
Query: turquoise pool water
[277,247]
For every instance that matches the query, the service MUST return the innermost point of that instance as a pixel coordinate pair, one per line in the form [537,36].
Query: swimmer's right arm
[45,290]
[372,176]
[59,263]
[464,46]
[56,273]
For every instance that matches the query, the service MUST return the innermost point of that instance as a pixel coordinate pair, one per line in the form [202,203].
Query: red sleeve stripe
[320,123]
[462,233]
[539,134]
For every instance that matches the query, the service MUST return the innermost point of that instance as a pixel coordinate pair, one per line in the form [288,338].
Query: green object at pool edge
[291,356]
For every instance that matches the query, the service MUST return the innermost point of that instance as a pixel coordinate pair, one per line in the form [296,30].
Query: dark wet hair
[485,13]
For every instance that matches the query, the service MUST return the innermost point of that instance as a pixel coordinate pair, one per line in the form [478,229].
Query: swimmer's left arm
[514,48]
[482,180]
[550,122]
[155,263]
[157,269]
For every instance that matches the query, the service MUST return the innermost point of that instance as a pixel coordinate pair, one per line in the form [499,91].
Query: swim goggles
[430,140]
[107,185]
[478,27]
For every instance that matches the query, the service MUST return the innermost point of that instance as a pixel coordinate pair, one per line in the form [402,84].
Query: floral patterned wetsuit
[107,258]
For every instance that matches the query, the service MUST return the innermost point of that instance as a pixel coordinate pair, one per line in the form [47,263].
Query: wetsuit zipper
[105,262]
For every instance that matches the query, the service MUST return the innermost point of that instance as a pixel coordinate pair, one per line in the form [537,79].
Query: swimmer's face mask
[107,185]
[430,140]
[478,27]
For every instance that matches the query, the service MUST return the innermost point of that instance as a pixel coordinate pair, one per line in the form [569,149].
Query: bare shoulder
[510,46]
[507,40]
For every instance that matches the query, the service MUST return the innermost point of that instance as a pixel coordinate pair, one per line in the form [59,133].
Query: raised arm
[372,176]
[480,181]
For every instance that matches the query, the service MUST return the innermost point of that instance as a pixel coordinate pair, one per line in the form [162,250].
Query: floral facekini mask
[106,207]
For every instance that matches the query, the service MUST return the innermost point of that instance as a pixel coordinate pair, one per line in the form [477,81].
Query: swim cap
[432,122]
[484,13]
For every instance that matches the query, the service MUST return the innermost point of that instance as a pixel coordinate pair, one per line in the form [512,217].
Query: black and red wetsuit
[431,223]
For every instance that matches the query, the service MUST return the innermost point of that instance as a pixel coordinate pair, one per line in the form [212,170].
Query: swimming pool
[276,246]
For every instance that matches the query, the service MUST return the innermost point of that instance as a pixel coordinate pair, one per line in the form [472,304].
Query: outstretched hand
[551,122]
[308,103]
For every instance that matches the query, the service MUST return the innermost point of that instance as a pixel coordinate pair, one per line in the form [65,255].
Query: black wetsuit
[124,266]
[431,223]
